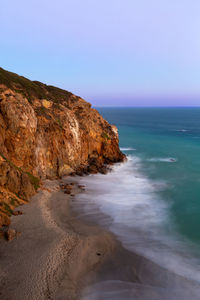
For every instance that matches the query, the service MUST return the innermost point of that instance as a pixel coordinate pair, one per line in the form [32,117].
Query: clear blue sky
[110,52]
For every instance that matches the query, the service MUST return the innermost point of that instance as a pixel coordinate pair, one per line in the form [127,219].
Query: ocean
[153,199]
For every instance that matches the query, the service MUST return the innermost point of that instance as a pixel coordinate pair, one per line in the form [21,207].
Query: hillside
[47,132]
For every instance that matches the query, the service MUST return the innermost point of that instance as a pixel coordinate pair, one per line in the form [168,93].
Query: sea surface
[153,199]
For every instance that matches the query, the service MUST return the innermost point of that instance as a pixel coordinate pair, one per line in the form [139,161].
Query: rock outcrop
[46,132]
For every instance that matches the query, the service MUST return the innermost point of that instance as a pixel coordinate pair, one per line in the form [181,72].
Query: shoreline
[60,255]
[54,252]
[128,274]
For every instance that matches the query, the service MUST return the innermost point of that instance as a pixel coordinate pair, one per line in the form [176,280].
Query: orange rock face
[46,132]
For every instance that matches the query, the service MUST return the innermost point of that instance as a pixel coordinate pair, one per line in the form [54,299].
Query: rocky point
[47,132]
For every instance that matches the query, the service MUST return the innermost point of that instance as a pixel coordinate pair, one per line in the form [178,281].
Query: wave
[160,159]
[127,149]
[118,290]
[129,204]
[182,130]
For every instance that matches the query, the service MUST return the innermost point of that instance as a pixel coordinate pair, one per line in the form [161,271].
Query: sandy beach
[53,251]
[58,255]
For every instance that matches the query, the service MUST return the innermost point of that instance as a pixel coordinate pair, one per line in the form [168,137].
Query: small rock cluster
[67,188]
[9,233]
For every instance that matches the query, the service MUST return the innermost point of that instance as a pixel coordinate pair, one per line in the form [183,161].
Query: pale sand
[54,252]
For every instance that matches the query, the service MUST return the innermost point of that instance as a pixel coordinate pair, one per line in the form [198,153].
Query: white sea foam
[182,130]
[127,149]
[163,159]
[136,213]
[121,290]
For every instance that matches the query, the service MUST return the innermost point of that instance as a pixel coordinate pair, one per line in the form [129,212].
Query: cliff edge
[47,132]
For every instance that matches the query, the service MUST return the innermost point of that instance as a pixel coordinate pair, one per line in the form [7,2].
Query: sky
[109,52]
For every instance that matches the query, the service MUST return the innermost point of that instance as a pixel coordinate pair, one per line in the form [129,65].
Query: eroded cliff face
[46,132]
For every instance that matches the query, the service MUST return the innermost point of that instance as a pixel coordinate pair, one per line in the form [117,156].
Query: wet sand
[60,255]
[126,274]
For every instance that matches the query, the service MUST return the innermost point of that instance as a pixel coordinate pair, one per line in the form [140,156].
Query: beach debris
[10,234]
[17,213]
[81,186]
[67,191]
[67,188]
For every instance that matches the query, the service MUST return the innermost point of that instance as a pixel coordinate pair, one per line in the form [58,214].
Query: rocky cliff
[46,132]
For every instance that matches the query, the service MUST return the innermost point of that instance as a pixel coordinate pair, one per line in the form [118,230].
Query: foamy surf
[134,211]
[121,290]
[127,149]
[163,159]
[182,130]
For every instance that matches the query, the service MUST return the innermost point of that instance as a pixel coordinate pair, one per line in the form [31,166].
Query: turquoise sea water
[159,134]
[152,202]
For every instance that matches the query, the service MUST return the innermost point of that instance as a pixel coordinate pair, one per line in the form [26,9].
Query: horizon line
[149,106]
